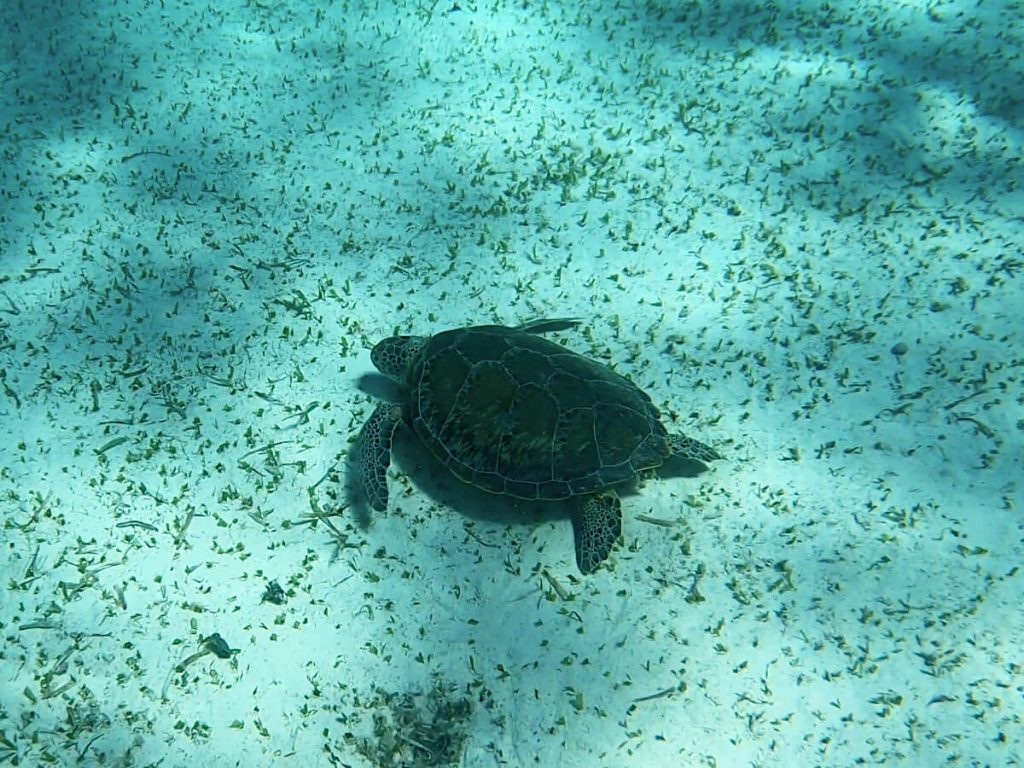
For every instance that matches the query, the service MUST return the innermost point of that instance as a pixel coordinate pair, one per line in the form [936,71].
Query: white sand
[209,214]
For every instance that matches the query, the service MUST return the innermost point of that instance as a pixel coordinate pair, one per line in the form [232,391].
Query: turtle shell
[514,413]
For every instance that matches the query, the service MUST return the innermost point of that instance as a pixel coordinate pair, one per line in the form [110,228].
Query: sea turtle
[516,414]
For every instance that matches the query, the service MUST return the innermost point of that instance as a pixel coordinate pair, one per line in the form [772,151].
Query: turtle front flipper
[596,526]
[373,453]
[687,448]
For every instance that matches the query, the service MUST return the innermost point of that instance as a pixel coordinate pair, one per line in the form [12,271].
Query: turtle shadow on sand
[434,480]
[431,480]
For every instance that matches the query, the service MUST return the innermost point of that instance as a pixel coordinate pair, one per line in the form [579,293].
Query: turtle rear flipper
[373,453]
[685,447]
[596,527]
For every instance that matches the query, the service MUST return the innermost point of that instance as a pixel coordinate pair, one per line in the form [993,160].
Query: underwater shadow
[880,119]
[940,46]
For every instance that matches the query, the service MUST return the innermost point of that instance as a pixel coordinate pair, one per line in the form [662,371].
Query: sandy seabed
[799,227]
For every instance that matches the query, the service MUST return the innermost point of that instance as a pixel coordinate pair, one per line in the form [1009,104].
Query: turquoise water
[798,227]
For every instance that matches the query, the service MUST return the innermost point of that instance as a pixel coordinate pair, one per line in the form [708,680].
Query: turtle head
[393,356]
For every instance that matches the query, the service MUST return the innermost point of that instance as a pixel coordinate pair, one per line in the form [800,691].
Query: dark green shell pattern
[514,413]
